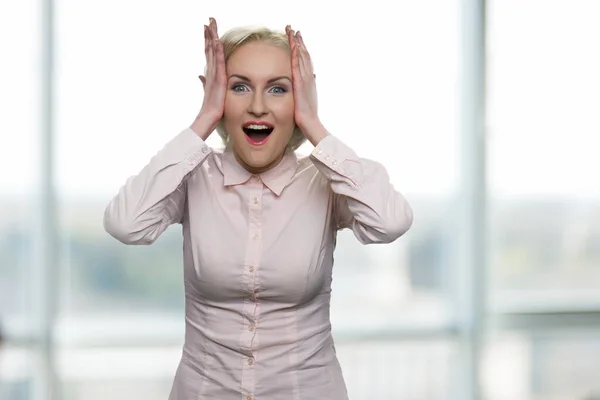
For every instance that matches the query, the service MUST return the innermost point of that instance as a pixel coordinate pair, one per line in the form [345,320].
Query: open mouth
[257,133]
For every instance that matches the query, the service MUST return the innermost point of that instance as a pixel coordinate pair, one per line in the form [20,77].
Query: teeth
[257,127]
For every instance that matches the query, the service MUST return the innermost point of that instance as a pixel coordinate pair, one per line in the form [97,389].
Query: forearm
[366,201]
[204,125]
[314,132]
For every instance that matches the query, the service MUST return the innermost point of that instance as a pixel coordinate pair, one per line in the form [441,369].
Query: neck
[259,170]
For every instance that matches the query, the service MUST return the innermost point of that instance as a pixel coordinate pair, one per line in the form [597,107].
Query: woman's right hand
[214,82]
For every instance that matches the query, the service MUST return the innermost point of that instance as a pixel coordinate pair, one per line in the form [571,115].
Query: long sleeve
[366,201]
[155,198]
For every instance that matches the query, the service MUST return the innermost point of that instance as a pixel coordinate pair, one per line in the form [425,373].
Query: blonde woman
[259,223]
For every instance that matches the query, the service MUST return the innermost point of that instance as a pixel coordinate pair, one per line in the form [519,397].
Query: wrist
[314,131]
[204,125]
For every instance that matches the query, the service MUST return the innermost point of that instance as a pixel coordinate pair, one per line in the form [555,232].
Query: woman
[259,224]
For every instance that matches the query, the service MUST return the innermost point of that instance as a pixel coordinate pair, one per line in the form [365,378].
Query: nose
[257,105]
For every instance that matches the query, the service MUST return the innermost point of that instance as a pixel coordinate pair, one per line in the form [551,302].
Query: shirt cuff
[186,148]
[336,160]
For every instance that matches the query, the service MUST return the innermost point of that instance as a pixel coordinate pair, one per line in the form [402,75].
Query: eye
[278,90]
[238,88]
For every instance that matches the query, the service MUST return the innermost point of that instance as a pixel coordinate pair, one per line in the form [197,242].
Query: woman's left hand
[305,88]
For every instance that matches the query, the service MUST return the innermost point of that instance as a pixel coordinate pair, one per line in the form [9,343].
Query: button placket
[249,338]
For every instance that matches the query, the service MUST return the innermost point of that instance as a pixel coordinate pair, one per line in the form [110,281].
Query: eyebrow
[242,77]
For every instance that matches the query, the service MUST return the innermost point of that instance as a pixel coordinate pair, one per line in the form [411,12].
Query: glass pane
[141,88]
[399,369]
[118,373]
[19,155]
[548,366]
[544,100]
[16,371]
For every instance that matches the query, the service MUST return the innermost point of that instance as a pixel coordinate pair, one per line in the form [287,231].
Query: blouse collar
[276,178]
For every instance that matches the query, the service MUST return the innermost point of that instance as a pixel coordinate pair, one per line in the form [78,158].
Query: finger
[216,28]
[295,38]
[206,39]
[209,36]
[214,45]
[209,30]
[210,54]
[288,30]
[305,66]
[302,45]
[220,63]
[217,45]
[213,25]
[296,74]
[300,38]
[303,48]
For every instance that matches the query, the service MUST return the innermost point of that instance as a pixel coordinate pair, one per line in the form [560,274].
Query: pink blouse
[258,258]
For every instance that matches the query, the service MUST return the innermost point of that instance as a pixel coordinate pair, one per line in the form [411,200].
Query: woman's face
[259,105]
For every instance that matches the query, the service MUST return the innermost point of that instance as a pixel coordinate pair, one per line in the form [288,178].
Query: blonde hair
[234,39]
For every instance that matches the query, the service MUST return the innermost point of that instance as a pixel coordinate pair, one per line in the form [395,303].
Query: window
[542,365]
[125,82]
[16,373]
[543,93]
[544,96]
[19,163]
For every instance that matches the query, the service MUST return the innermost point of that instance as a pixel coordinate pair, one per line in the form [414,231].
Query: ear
[203,80]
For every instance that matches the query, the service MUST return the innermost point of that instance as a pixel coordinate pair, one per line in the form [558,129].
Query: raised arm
[366,201]
[155,198]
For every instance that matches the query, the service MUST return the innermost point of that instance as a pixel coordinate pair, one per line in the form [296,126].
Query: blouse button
[250,361]
[251,268]
[248,397]
[251,327]
[255,237]
[256,200]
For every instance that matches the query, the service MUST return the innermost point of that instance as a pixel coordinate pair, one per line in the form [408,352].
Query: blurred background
[486,115]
